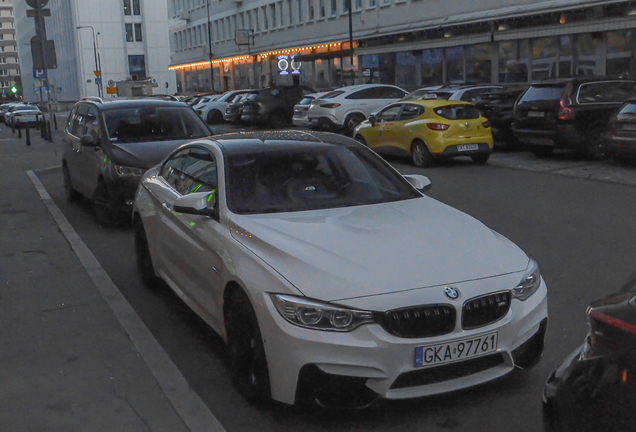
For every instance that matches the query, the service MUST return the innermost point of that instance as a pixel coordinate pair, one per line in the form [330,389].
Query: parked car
[300,110]
[498,107]
[234,109]
[4,109]
[620,139]
[211,110]
[273,106]
[109,145]
[278,241]
[25,115]
[427,130]
[468,93]
[569,113]
[345,108]
[594,387]
[196,99]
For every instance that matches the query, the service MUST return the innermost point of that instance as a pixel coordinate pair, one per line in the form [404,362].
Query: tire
[245,344]
[70,194]
[420,155]
[481,159]
[541,151]
[106,206]
[215,117]
[277,120]
[594,149]
[361,140]
[142,256]
[351,122]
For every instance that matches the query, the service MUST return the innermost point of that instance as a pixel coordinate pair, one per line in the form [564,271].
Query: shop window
[585,53]
[405,69]
[621,49]
[565,56]
[513,61]
[136,7]
[544,58]
[478,63]
[137,66]
[432,67]
[455,65]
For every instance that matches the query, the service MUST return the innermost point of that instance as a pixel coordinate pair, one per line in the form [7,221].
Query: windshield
[536,93]
[290,178]
[141,124]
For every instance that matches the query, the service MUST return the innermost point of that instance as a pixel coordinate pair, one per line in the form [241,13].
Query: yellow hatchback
[428,129]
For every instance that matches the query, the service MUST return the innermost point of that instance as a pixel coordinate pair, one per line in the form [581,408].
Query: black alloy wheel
[594,149]
[420,155]
[361,140]
[106,207]
[247,353]
[70,194]
[277,120]
[215,117]
[142,256]
[481,159]
[351,122]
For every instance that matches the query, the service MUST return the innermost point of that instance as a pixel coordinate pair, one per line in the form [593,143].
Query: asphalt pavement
[74,355]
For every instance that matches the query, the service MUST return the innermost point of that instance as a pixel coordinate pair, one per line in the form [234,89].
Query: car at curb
[273,106]
[109,145]
[212,111]
[426,130]
[278,241]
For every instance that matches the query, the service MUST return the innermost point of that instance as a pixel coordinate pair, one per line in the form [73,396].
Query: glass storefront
[455,65]
[432,67]
[513,61]
[478,63]
[621,49]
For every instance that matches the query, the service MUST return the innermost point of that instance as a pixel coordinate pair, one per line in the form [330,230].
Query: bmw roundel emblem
[451,292]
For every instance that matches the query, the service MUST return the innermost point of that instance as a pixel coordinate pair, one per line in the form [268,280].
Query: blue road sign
[98,81]
[39,73]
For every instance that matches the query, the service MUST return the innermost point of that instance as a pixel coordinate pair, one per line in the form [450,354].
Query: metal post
[55,121]
[99,65]
[99,93]
[351,39]
[18,128]
[48,131]
[207,3]
[28,136]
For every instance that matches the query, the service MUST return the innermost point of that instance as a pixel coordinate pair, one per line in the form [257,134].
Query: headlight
[126,170]
[318,315]
[529,283]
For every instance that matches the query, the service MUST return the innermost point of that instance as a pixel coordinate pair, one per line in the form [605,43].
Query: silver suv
[345,108]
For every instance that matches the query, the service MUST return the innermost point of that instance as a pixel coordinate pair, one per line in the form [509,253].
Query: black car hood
[143,154]
[620,309]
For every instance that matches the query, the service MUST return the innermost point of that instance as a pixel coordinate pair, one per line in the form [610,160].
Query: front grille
[485,310]
[420,321]
[447,372]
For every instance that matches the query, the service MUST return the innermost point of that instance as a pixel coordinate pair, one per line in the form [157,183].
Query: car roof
[434,103]
[134,103]
[238,142]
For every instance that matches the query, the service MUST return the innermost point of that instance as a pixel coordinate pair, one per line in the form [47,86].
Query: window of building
[478,63]
[334,7]
[587,47]
[357,5]
[513,61]
[345,5]
[372,3]
[310,9]
[127,9]
[290,20]
[455,65]
[620,53]
[272,9]
[265,19]
[129,33]
[432,66]
[137,66]
[138,36]
[136,7]
[321,9]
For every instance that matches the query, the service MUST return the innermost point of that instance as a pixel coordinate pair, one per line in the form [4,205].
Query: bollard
[55,121]
[12,127]
[42,128]
[17,125]
[28,136]
[48,130]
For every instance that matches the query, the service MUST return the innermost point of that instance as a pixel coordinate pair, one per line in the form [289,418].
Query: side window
[411,111]
[91,123]
[370,93]
[70,121]
[199,173]
[389,114]
[390,93]
[172,169]
[79,121]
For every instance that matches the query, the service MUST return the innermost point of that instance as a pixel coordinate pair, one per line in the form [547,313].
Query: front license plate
[432,355]
[536,114]
[467,147]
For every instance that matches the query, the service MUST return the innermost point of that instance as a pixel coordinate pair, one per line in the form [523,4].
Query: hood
[345,253]
[143,154]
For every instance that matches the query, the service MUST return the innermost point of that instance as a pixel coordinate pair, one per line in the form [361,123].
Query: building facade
[9,62]
[119,40]
[410,43]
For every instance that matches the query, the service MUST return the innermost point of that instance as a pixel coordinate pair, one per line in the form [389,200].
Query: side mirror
[198,203]
[372,119]
[88,140]
[419,182]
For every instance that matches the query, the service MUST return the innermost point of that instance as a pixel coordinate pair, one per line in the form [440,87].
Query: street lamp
[99,92]
[207,3]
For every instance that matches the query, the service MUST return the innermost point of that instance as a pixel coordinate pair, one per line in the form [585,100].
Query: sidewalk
[74,355]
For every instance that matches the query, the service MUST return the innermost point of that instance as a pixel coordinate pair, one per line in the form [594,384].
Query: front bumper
[381,365]
[326,123]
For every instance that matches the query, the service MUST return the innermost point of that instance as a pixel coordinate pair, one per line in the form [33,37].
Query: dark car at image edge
[569,113]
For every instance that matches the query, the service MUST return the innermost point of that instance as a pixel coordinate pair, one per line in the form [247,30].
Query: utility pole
[207,3]
[351,40]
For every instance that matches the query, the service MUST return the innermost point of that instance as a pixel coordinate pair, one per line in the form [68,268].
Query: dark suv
[569,113]
[108,146]
[273,106]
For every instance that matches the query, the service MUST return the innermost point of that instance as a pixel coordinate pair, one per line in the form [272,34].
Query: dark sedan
[620,139]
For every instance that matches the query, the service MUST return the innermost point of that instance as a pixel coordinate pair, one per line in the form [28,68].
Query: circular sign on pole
[35,4]
[111,83]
